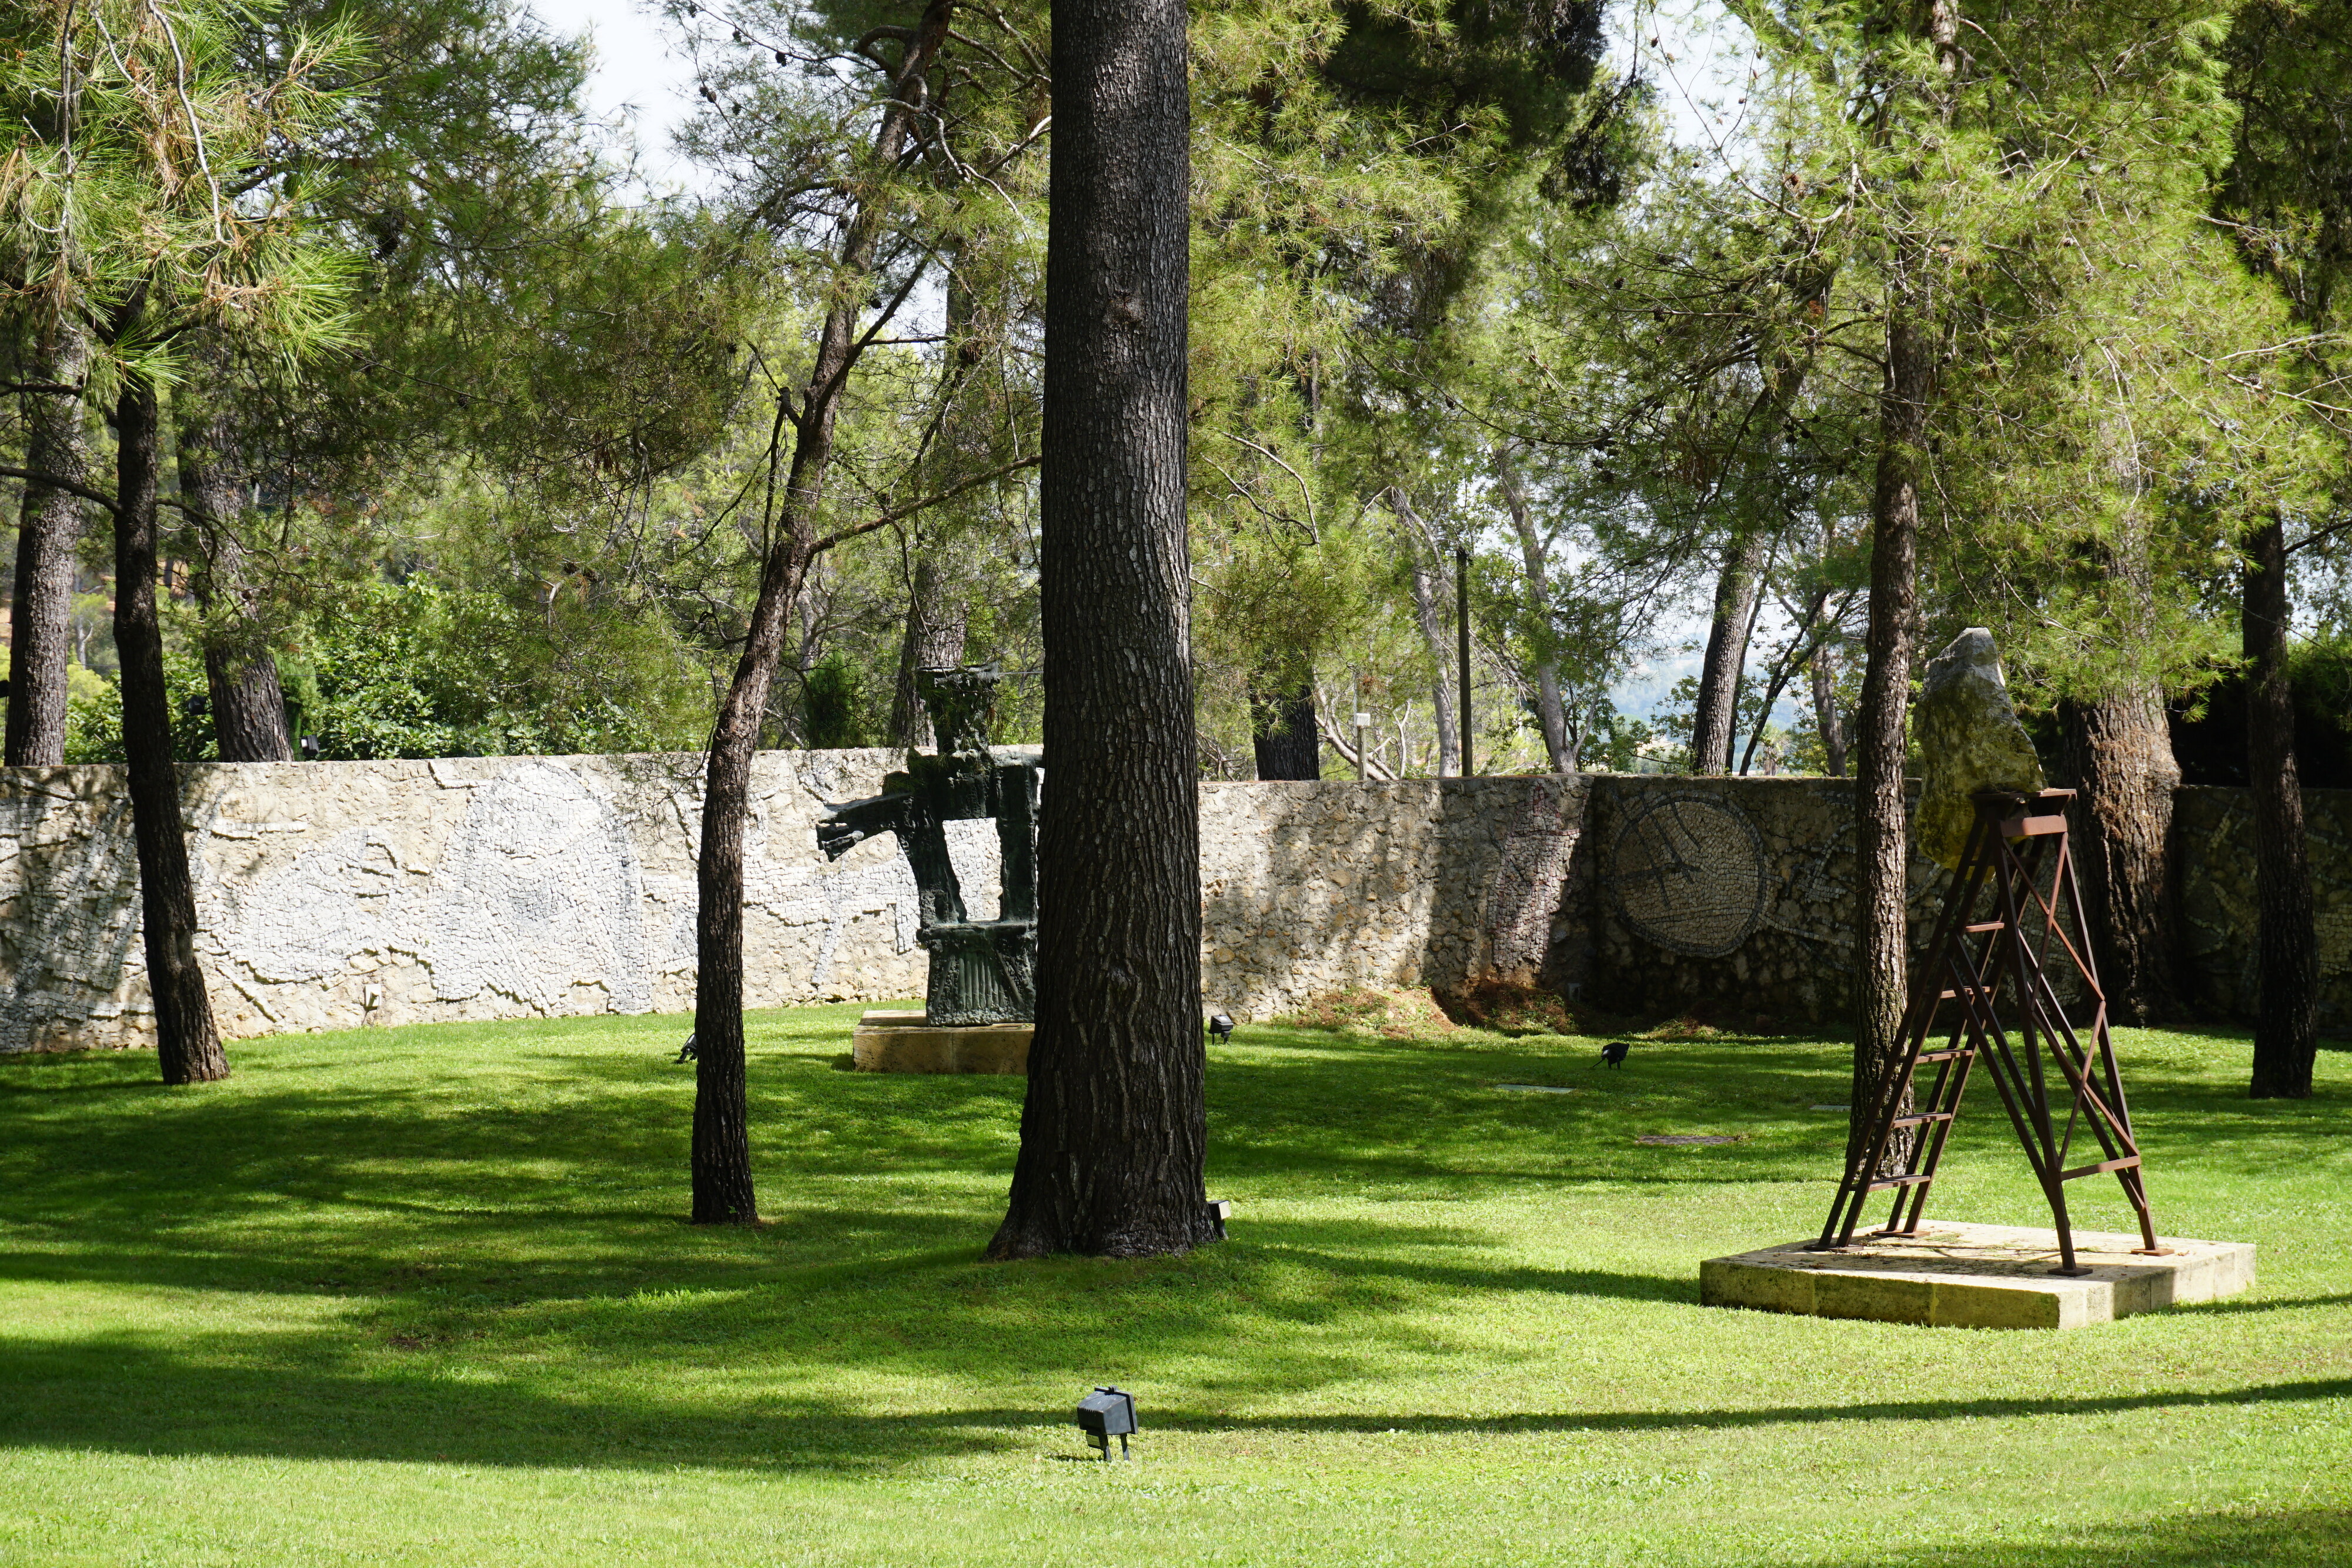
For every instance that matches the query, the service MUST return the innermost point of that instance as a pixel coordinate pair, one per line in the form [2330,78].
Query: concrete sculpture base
[1978,1275]
[901,1041]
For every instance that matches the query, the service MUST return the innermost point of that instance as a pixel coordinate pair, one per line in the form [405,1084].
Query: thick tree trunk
[1550,714]
[186,1041]
[1114,1130]
[1881,849]
[1427,586]
[40,620]
[720,1156]
[1827,719]
[2120,755]
[240,672]
[934,639]
[1736,595]
[1283,732]
[2287,1019]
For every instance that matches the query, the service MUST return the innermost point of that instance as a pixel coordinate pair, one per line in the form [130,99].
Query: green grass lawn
[423,1296]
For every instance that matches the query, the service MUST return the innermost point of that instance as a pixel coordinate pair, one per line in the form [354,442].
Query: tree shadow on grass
[503,1232]
[2288,1538]
[123,1396]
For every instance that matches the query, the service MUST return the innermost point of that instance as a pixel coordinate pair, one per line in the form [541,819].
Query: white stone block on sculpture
[1969,739]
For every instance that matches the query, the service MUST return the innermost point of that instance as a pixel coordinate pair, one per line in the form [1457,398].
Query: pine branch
[53,482]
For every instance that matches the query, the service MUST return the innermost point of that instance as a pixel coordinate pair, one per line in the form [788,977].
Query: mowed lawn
[423,1296]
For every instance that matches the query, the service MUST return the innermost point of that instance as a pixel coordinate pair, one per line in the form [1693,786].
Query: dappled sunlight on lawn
[464,1247]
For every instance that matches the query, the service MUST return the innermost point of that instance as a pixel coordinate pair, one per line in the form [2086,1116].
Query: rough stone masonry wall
[1737,895]
[2213,857]
[1308,888]
[332,894]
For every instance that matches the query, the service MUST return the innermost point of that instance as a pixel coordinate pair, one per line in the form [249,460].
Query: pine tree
[1114,1128]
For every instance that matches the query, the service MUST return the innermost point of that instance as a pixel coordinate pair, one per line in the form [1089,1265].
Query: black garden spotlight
[1221,1027]
[1105,1414]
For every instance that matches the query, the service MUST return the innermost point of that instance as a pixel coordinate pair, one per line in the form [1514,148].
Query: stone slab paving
[1978,1275]
[888,1040]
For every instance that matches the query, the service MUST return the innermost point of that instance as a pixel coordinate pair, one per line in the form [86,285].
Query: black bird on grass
[1613,1053]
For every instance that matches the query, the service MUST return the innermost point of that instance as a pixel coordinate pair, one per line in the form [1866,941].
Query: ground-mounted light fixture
[1108,1413]
[1221,1026]
[1219,1211]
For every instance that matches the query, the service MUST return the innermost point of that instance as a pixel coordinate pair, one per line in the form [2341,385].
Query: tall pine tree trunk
[1550,714]
[49,523]
[240,672]
[1114,1130]
[1735,594]
[934,639]
[1284,738]
[720,1156]
[2120,755]
[186,1041]
[1428,584]
[1827,719]
[1881,851]
[1746,557]
[2286,1019]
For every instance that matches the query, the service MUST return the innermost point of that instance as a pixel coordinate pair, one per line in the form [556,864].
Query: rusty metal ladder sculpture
[1970,964]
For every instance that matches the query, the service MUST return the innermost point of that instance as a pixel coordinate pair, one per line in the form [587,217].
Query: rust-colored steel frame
[2017,846]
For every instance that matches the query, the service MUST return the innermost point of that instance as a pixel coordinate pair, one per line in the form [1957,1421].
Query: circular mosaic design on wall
[1687,872]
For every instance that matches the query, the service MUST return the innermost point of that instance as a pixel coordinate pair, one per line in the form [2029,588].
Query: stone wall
[1311,888]
[332,894]
[1736,895]
[1732,896]
[2214,850]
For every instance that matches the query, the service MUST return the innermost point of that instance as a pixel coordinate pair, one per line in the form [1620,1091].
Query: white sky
[639,84]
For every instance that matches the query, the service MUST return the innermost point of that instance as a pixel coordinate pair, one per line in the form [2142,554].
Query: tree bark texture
[1284,735]
[1550,714]
[186,1041]
[721,1158]
[1428,585]
[2286,939]
[1784,668]
[2119,756]
[936,624]
[1114,1130]
[240,672]
[1881,851]
[1716,722]
[1827,719]
[40,620]
[1746,557]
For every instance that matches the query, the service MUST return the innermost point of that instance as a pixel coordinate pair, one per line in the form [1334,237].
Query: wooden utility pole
[1462,642]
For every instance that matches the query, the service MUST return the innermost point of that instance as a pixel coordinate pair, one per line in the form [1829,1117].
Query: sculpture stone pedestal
[901,1041]
[1978,1275]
